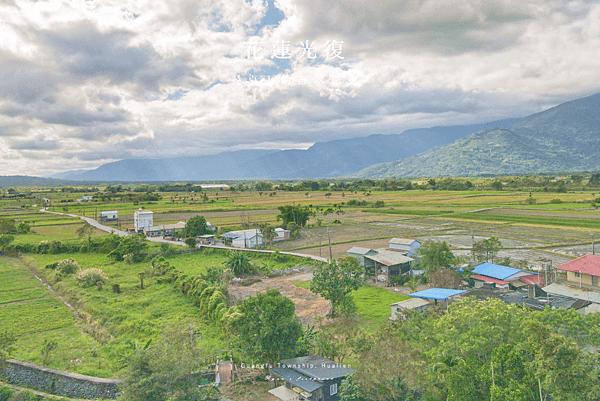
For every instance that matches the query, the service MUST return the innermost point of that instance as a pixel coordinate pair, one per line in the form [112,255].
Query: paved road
[121,233]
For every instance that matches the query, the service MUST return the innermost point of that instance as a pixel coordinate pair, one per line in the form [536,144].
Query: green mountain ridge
[563,138]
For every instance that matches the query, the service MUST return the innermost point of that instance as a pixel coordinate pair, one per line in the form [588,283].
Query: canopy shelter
[437,294]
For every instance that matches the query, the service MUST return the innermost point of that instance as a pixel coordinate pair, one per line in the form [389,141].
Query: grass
[373,304]
[118,321]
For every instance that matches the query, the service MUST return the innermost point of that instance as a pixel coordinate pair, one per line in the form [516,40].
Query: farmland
[106,327]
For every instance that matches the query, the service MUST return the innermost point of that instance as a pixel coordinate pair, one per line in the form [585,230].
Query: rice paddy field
[101,328]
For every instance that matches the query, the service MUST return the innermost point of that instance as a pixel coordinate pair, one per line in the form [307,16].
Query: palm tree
[238,262]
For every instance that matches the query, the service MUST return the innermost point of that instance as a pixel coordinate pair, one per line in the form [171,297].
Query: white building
[245,238]
[142,219]
[411,246]
[110,215]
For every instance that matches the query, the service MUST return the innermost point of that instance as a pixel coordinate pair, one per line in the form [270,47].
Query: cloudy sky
[83,83]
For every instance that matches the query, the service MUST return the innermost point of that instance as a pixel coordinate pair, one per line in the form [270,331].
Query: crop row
[34,316]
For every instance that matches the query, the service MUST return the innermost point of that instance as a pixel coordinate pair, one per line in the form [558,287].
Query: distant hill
[323,159]
[26,181]
[563,138]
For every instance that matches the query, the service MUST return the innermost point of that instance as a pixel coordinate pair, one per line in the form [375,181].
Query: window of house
[577,274]
[333,389]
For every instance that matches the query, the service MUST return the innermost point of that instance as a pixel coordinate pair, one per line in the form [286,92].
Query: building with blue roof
[499,272]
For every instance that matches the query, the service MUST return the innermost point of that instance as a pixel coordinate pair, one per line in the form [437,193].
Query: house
[85,198]
[311,378]
[411,246]
[501,276]
[244,238]
[164,230]
[399,308]
[142,219]
[212,228]
[107,216]
[207,239]
[582,272]
[282,234]
[382,264]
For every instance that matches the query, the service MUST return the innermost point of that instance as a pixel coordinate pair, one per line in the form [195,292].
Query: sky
[83,83]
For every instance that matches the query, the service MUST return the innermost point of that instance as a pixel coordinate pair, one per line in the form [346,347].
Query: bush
[5,393]
[91,277]
[65,268]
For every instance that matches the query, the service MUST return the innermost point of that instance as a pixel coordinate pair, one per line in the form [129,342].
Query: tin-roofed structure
[310,378]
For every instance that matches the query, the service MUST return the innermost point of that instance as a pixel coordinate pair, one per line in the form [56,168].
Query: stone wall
[59,382]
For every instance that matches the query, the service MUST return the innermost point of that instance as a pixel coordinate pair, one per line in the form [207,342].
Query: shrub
[5,393]
[116,288]
[66,268]
[91,277]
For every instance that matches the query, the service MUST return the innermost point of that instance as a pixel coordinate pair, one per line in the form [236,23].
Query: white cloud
[82,83]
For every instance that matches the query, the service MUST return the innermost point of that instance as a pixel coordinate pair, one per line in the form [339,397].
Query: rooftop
[412,303]
[495,271]
[489,279]
[358,250]
[388,258]
[587,264]
[402,241]
[437,293]
[576,293]
[307,372]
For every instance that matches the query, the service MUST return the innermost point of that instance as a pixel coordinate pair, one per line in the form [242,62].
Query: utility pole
[593,248]
[329,239]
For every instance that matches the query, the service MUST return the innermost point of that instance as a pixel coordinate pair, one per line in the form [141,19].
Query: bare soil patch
[308,305]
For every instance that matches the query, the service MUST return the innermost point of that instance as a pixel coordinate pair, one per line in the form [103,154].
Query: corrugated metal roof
[495,271]
[489,279]
[388,258]
[285,394]
[317,367]
[577,293]
[402,241]
[358,250]
[437,293]
[533,279]
[110,212]
[587,264]
[412,303]
[296,378]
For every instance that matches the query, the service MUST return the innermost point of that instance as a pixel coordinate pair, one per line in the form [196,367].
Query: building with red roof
[584,270]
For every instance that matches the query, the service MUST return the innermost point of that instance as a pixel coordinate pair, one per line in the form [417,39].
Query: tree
[293,213]
[86,230]
[433,255]
[7,226]
[444,278]
[238,263]
[497,185]
[7,341]
[130,245]
[266,327]
[191,242]
[268,232]
[335,281]
[165,370]
[486,250]
[195,226]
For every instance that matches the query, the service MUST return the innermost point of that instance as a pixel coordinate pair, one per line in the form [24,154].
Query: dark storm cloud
[85,53]
[25,82]
[36,144]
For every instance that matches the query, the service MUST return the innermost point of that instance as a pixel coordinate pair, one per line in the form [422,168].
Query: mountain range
[324,159]
[563,138]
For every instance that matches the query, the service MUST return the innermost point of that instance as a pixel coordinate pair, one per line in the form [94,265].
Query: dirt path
[308,305]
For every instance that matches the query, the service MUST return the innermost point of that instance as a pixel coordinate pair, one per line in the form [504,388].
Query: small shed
[399,308]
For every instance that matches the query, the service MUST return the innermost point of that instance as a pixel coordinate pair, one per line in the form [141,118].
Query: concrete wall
[59,382]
